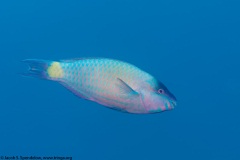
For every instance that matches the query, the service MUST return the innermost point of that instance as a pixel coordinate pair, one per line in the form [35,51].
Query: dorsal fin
[78,59]
[71,60]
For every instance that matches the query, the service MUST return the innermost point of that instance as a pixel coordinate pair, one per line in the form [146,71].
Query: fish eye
[160,91]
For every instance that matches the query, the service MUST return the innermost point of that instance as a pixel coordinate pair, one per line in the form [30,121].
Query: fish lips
[170,103]
[173,104]
[172,100]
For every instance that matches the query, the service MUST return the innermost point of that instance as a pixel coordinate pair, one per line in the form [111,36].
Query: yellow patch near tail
[55,70]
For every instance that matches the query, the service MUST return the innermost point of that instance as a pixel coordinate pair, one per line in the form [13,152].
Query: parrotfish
[112,83]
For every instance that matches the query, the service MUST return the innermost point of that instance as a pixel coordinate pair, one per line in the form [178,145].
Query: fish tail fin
[44,69]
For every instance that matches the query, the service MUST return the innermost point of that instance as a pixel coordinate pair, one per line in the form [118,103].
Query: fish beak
[174,103]
[173,100]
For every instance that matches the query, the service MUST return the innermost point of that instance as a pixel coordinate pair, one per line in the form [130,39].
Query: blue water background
[193,47]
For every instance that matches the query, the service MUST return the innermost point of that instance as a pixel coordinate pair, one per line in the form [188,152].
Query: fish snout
[173,104]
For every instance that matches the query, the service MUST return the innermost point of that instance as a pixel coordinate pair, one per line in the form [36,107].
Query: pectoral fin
[125,89]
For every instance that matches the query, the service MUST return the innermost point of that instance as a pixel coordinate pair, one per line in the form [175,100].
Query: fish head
[159,99]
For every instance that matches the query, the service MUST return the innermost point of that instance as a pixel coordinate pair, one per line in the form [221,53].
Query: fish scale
[112,83]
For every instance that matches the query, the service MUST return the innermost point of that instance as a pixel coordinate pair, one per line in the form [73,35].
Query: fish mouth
[173,103]
[173,100]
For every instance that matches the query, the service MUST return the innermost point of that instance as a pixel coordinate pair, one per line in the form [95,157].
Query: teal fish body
[112,83]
